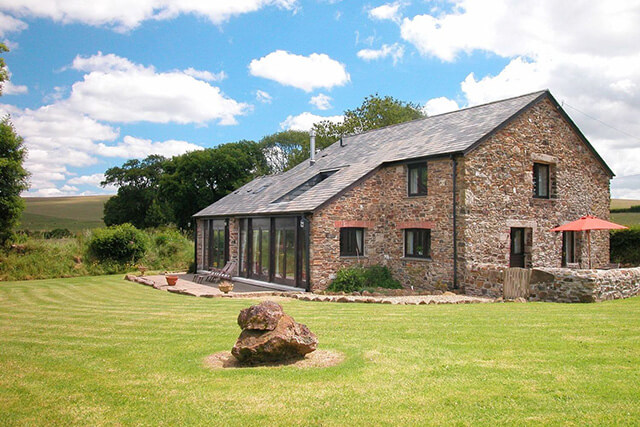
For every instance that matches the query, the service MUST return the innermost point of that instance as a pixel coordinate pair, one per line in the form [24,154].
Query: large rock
[287,340]
[262,317]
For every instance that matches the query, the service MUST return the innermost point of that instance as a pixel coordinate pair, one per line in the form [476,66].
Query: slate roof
[449,133]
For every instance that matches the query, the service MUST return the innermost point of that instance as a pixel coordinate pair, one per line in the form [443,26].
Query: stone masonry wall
[566,285]
[496,194]
[381,202]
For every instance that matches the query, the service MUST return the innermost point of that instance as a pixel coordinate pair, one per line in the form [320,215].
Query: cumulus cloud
[302,72]
[321,101]
[132,147]
[264,97]
[439,105]
[9,88]
[122,15]
[206,75]
[118,90]
[388,11]
[72,132]
[9,24]
[306,120]
[94,179]
[580,51]
[395,51]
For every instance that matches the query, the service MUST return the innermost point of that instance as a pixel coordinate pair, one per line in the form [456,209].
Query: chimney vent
[312,147]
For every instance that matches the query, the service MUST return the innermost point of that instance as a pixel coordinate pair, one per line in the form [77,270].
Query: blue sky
[98,83]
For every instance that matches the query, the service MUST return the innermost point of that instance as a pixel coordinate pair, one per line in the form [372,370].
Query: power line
[600,121]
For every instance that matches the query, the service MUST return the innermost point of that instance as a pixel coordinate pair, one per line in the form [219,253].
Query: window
[351,241]
[417,179]
[417,243]
[217,250]
[541,180]
[568,248]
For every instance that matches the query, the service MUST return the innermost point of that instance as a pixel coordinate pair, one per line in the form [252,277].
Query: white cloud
[439,105]
[123,15]
[306,120]
[389,11]
[321,101]
[9,24]
[206,75]
[264,97]
[302,72]
[132,147]
[395,51]
[9,88]
[117,90]
[94,179]
[580,51]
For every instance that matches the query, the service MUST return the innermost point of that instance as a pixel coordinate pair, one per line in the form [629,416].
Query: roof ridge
[539,92]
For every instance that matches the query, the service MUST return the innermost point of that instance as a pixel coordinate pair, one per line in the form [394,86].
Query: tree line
[157,190]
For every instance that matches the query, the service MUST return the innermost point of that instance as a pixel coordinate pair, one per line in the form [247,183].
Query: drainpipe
[454,164]
[312,147]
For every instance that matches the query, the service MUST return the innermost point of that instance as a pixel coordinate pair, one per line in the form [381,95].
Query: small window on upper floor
[541,181]
[417,179]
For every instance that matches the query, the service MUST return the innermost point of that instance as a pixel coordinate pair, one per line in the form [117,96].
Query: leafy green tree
[136,201]
[13,179]
[197,179]
[284,150]
[13,176]
[375,112]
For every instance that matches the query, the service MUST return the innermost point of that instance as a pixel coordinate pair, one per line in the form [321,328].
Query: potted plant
[225,286]
[172,279]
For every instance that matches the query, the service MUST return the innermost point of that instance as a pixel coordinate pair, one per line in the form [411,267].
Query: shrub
[120,243]
[58,233]
[625,246]
[359,278]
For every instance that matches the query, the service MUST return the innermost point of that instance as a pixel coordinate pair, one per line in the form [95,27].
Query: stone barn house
[449,201]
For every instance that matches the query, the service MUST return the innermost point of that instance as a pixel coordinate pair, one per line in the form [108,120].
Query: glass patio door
[284,271]
[260,248]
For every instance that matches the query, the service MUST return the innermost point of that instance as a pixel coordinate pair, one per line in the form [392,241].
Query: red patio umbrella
[588,223]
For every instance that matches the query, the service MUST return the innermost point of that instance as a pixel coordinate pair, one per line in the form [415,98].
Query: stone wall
[566,285]
[496,193]
[381,203]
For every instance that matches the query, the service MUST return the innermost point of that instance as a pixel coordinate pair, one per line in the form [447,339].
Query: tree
[375,112]
[13,179]
[284,150]
[13,176]
[4,72]
[197,179]
[136,201]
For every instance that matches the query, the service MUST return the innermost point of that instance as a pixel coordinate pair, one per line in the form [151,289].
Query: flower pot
[171,280]
[225,286]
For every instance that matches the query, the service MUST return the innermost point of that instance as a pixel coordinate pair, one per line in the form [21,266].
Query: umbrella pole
[589,246]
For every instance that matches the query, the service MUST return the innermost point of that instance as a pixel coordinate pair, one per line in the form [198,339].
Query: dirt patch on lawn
[316,359]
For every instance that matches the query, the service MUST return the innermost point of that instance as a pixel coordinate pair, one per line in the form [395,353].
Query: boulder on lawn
[263,317]
[260,342]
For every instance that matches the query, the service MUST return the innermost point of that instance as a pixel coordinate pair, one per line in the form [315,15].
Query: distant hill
[74,213]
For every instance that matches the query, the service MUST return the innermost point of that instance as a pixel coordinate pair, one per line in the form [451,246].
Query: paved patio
[186,286]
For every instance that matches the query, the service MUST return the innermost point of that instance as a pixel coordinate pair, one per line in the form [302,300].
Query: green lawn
[74,213]
[98,350]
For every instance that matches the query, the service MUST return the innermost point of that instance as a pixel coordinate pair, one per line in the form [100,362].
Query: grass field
[74,213]
[98,351]
[623,203]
